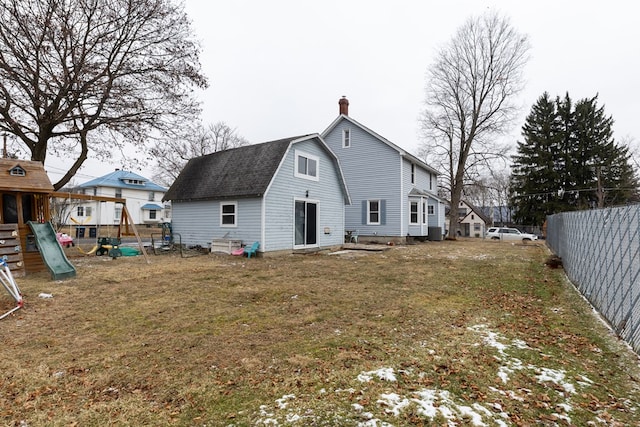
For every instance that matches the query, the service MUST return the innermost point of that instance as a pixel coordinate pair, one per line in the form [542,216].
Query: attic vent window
[346,138]
[135,181]
[17,171]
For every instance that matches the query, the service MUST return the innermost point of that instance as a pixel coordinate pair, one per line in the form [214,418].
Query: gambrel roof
[240,172]
[403,153]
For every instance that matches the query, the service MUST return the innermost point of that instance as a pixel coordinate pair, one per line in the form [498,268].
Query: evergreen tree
[536,173]
[569,160]
[564,108]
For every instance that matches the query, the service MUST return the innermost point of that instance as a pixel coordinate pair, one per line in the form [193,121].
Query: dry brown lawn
[463,332]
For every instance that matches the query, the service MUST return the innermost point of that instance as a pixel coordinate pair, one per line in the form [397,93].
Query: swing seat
[90,252]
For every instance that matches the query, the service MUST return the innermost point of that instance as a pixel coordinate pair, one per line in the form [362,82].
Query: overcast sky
[278,68]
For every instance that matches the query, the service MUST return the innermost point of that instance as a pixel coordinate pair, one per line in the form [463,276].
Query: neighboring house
[143,200]
[501,216]
[394,194]
[472,220]
[287,194]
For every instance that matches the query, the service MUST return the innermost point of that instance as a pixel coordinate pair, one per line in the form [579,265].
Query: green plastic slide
[51,251]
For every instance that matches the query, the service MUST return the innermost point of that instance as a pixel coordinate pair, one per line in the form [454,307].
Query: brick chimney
[344,105]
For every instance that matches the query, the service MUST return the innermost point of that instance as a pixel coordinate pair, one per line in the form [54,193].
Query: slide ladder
[52,253]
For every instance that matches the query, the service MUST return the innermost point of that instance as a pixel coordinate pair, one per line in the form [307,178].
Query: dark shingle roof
[235,173]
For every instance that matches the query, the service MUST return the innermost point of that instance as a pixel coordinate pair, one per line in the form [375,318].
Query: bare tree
[88,77]
[61,211]
[172,154]
[470,101]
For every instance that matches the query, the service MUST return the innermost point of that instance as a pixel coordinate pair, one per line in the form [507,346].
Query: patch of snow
[282,402]
[374,423]
[293,418]
[393,403]
[385,374]
[556,377]
[522,345]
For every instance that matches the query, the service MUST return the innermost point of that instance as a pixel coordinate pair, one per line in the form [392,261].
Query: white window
[117,213]
[346,138]
[228,214]
[414,213]
[80,211]
[413,173]
[424,212]
[373,212]
[306,166]
[87,211]
[152,196]
[119,193]
[431,210]
[152,214]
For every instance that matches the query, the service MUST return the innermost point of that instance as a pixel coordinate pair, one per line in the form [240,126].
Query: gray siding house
[287,194]
[393,193]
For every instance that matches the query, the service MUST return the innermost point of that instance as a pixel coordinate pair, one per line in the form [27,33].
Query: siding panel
[198,223]
[371,170]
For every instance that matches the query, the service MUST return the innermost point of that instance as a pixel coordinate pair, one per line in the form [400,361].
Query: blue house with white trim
[394,194]
[288,194]
[144,200]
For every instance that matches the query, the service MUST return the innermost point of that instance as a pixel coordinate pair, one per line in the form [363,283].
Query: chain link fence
[600,251]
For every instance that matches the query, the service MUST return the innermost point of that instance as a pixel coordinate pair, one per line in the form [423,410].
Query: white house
[143,200]
[472,222]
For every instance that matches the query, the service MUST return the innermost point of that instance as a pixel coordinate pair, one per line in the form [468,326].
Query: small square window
[306,166]
[228,213]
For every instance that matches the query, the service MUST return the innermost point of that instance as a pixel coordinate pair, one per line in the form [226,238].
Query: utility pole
[600,190]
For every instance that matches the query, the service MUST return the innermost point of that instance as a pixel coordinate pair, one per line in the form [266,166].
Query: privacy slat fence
[600,251]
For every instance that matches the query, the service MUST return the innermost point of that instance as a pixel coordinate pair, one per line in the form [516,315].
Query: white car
[503,233]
